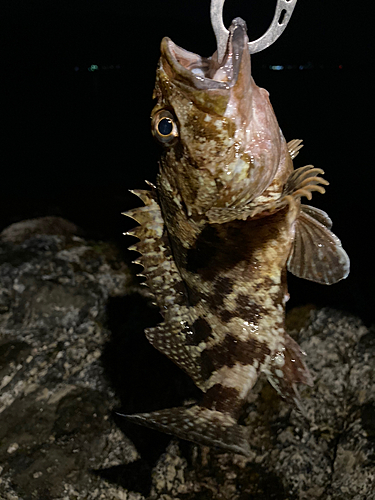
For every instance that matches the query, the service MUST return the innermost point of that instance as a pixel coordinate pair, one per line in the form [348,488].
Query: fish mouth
[205,73]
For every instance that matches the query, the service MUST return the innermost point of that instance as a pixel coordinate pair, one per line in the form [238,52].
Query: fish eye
[164,126]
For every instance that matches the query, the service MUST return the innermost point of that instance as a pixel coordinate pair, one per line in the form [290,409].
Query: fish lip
[199,72]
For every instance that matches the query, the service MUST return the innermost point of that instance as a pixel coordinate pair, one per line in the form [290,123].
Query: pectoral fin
[303,181]
[294,146]
[317,214]
[317,254]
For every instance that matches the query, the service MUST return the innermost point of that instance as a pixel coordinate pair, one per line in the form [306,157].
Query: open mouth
[208,73]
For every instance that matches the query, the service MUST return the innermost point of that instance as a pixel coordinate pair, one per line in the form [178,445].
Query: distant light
[340,66]
[277,67]
[308,65]
[93,67]
[76,68]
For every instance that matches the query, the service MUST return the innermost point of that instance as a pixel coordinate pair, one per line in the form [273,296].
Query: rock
[55,401]
[23,230]
[72,351]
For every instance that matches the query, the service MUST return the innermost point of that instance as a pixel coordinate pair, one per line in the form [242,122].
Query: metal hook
[270,36]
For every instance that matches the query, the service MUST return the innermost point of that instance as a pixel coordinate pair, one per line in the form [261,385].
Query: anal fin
[198,424]
[287,370]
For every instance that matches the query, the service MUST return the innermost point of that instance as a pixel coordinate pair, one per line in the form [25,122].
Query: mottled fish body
[218,234]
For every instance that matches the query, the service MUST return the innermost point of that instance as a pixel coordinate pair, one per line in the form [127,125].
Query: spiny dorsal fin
[160,270]
[166,284]
[146,196]
[142,215]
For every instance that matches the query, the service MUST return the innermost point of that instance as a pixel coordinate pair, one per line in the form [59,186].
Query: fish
[217,235]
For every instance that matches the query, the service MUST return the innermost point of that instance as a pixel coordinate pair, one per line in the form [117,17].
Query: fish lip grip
[283,13]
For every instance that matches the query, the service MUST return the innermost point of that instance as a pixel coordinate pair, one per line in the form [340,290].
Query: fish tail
[198,424]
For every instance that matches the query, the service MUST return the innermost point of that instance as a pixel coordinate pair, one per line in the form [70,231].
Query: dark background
[76,140]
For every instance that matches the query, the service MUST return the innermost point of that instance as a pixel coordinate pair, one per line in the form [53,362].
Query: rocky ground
[73,355]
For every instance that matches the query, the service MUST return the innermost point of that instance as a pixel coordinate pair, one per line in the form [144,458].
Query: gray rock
[25,229]
[55,401]
[56,395]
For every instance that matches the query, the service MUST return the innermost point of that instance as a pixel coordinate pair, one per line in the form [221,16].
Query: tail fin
[198,424]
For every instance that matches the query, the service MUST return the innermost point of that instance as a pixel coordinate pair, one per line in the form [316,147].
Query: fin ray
[294,147]
[171,341]
[317,214]
[303,181]
[145,195]
[167,286]
[317,254]
[198,424]
[287,370]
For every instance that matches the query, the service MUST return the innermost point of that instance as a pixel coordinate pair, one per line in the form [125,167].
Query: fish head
[221,139]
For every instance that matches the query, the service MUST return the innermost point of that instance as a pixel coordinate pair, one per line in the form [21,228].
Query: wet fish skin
[217,236]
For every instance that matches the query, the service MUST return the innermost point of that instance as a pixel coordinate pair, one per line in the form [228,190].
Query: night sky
[76,140]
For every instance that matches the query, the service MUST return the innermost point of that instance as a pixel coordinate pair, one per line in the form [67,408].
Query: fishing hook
[283,13]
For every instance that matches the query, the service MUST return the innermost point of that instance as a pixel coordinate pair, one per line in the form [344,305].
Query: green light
[93,67]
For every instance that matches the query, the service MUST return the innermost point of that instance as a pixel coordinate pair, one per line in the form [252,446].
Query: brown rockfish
[218,234]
